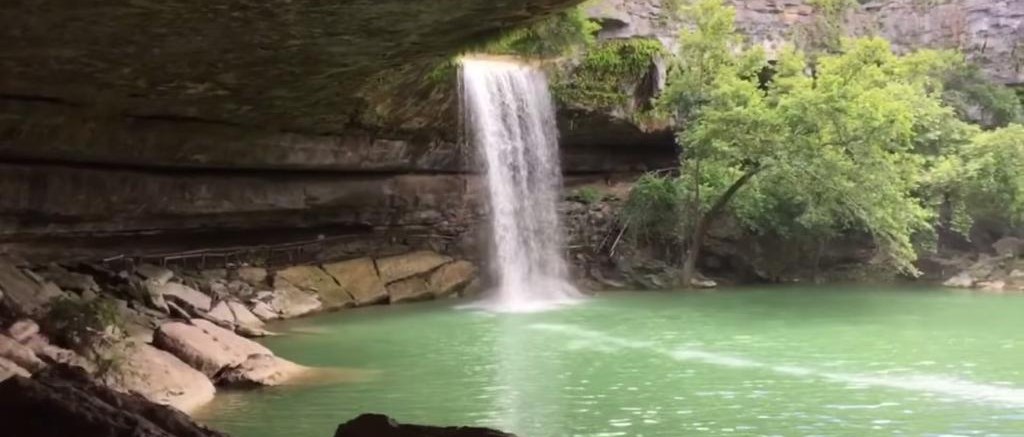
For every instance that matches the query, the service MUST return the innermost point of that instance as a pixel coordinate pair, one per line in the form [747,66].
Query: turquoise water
[784,362]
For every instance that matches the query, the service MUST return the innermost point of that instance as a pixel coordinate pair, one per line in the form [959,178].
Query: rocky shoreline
[173,335]
[63,400]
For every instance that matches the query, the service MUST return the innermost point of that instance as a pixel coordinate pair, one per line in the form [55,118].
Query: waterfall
[511,120]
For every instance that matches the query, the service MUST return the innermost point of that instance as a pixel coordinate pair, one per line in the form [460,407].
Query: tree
[984,179]
[832,152]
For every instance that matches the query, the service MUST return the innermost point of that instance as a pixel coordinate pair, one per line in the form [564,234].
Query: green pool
[757,362]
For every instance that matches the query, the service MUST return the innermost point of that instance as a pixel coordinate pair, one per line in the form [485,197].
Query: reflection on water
[778,362]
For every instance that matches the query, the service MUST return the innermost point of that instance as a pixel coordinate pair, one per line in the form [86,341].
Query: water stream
[511,120]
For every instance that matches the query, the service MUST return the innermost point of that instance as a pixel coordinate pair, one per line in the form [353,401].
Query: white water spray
[511,120]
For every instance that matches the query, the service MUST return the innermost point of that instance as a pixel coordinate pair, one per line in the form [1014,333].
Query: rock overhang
[292,65]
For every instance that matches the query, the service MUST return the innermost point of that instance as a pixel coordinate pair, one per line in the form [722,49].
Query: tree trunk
[699,231]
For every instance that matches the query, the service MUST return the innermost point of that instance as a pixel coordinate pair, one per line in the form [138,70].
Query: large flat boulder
[244,317]
[316,280]
[379,425]
[186,297]
[290,302]
[451,278]
[205,346]
[222,315]
[359,279]
[395,268]
[259,370]
[64,401]
[409,290]
[162,378]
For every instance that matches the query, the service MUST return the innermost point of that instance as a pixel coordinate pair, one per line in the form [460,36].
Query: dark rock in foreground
[63,401]
[379,425]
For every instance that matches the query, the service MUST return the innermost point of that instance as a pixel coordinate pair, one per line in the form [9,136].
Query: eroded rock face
[63,401]
[379,425]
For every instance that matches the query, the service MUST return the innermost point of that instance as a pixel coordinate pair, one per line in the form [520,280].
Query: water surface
[779,362]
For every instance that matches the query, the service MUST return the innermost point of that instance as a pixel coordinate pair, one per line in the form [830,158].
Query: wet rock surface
[379,425]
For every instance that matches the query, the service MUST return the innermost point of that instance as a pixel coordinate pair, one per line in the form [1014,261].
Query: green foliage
[655,210]
[993,176]
[965,88]
[848,150]
[79,324]
[588,195]
[558,35]
[606,75]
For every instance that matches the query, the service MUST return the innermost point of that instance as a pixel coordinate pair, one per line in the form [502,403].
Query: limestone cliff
[989,32]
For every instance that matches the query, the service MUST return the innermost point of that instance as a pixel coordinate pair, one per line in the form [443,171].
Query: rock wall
[990,32]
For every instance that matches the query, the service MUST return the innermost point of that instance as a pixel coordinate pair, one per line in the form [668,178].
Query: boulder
[64,401]
[395,268]
[316,280]
[162,378]
[205,346]
[451,278]
[258,370]
[186,297]
[22,330]
[1009,246]
[156,274]
[51,354]
[254,276]
[409,290]
[962,280]
[214,274]
[359,279]
[264,311]
[222,315]
[238,288]
[244,317]
[992,286]
[20,354]
[9,369]
[154,296]
[23,294]
[68,280]
[379,425]
[290,302]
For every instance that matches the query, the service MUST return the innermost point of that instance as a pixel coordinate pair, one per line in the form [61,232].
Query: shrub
[608,73]
[588,195]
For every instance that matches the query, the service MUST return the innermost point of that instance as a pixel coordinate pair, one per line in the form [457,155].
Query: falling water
[511,120]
